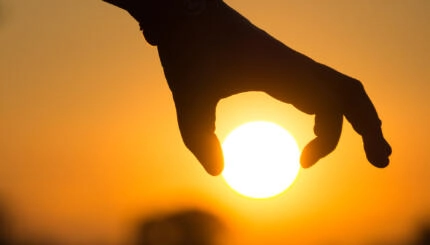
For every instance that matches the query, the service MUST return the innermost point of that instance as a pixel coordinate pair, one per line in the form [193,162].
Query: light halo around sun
[261,159]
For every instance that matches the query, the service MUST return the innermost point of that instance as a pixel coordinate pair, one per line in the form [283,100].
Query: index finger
[362,115]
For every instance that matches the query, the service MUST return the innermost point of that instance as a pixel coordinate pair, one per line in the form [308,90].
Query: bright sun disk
[261,159]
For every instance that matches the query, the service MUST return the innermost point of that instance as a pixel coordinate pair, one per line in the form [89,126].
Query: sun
[261,159]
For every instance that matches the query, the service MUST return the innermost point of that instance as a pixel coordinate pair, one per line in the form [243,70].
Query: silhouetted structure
[190,227]
[4,226]
[209,52]
[424,235]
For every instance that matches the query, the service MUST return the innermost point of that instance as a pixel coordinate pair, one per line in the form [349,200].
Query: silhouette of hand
[209,52]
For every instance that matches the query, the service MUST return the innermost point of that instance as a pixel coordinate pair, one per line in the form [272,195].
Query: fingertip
[328,127]
[382,163]
[377,157]
[377,151]
[307,160]
[312,152]
[214,165]
[211,156]
[214,171]
[317,149]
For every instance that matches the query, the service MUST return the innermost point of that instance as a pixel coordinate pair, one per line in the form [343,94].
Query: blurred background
[90,151]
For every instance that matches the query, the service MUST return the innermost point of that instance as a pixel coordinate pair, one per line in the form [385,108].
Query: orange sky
[89,140]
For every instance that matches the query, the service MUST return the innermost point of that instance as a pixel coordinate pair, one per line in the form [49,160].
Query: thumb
[196,120]
[327,128]
[207,149]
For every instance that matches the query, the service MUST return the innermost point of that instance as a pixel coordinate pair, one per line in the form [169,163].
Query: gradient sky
[89,139]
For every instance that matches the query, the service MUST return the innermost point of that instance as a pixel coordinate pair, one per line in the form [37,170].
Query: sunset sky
[89,140]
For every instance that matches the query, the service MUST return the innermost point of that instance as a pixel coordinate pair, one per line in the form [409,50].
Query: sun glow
[261,159]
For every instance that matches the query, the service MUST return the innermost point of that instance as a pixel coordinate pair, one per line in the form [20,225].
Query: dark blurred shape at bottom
[424,234]
[189,227]
[4,226]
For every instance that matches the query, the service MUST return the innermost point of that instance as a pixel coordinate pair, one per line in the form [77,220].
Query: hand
[329,101]
[215,52]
